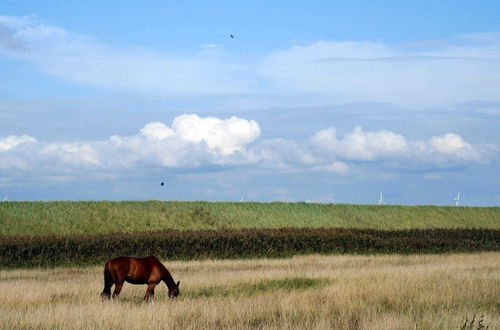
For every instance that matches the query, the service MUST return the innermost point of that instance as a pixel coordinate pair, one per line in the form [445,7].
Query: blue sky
[323,100]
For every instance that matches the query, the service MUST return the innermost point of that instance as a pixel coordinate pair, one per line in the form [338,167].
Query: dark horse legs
[106,293]
[118,288]
[150,292]
[108,282]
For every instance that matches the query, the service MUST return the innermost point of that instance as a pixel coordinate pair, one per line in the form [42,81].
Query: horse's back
[133,259]
[134,270]
[120,261]
[118,267]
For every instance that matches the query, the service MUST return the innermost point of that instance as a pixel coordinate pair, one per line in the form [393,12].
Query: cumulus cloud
[383,145]
[191,141]
[156,131]
[454,144]
[360,145]
[74,153]
[220,135]
[450,144]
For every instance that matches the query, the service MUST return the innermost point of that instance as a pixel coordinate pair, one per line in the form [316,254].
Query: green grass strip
[263,286]
[105,217]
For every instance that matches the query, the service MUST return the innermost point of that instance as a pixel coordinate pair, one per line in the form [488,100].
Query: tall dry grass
[308,292]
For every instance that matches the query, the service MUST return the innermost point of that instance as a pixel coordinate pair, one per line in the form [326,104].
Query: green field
[101,217]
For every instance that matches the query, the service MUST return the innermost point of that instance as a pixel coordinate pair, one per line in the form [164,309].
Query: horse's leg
[118,288]
[106,293]
[149,291]
[108,282]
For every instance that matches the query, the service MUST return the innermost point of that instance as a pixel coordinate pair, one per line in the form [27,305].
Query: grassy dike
[105,217]
[46,234]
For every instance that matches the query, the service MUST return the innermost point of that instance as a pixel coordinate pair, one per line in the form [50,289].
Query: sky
[321,101]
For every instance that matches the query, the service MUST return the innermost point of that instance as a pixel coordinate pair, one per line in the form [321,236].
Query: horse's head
[173,292]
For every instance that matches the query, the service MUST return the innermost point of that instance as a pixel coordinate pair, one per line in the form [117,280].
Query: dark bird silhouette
[162,184]
[231,36]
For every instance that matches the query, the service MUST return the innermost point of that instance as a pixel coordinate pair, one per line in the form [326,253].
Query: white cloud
[73,153]
[192,141]
[453,144]
[220,135]
[450,72]
[360,145]
[450,146]
[156,131]
[13,141]
[84,60]
[414,74]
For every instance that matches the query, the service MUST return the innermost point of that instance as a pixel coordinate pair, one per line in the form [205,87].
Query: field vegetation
[104,217]
[389,267]
[305,292]
[46,251]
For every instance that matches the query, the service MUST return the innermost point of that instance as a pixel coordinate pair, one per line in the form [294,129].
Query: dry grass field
[307,292]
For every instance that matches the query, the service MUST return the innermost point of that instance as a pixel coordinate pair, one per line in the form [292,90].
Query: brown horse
[147,270]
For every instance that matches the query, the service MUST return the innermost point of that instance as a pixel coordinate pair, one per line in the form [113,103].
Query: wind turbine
[457,200]
[381,200]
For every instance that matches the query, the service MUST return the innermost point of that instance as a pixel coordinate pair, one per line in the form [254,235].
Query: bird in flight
[232,36]
[162,184]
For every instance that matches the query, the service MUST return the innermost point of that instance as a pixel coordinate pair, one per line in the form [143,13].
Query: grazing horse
[147,270]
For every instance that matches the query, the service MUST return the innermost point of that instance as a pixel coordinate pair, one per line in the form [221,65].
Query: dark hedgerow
[46,251]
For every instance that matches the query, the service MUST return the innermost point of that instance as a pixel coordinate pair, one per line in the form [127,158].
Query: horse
[147,270]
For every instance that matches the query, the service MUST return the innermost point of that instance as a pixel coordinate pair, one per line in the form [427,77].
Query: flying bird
[232,36]
[162,184]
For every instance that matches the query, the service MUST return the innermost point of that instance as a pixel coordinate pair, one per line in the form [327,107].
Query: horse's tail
[108,282]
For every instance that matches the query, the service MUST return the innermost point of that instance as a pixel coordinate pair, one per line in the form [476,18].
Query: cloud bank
[191,141]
